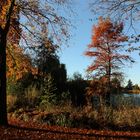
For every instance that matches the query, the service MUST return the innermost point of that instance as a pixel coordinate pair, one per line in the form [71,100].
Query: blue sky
[73,56]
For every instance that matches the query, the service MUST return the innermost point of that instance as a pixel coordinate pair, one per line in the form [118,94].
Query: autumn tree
[32,14]
[105,49]
[17,62]
[5,21]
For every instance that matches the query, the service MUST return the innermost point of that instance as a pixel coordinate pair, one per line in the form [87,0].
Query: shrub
[48,95]
[11,102]
[61,119]
[32,96]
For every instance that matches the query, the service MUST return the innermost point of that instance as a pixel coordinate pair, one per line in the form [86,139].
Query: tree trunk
[109,90]
[109,80]
[3,42]
[3,103]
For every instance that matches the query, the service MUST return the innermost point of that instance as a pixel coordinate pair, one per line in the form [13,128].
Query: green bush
[48,95]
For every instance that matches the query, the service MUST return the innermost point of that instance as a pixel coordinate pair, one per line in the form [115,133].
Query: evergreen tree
[129,85]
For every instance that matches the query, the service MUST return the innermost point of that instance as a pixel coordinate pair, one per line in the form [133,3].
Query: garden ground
[34,131]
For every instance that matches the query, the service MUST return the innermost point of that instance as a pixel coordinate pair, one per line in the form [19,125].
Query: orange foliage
[17,62]
[4,9]
[4,6]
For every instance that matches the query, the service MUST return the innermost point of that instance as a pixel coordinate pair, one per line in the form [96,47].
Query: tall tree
[47,62]
[5,20]
[33,14]
[106,44]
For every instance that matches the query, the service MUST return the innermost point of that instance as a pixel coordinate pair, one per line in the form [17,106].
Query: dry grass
[127,116]
[121,117]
